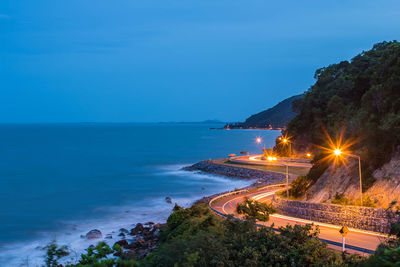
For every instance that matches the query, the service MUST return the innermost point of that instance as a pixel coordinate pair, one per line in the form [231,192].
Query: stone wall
[371,219]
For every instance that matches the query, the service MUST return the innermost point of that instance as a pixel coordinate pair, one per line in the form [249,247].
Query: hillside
[360,101]
[275,117]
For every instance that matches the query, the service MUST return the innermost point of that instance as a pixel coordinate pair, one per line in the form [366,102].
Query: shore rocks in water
[109,236]
[145,240]
[93,234]
[123,231]
[137,230]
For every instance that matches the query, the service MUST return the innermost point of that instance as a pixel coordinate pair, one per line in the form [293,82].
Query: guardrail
[360,249]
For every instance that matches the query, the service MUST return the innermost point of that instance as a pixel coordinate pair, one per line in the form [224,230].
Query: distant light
[270,158]
[285,140]
[337,152]
[274,158]
[258,140]
[308,155]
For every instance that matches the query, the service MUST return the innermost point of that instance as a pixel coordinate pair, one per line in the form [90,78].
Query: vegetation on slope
[197,237]
[275,117]
[360,97]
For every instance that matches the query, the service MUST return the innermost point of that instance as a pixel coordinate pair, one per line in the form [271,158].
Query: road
[357,241]
[258,160]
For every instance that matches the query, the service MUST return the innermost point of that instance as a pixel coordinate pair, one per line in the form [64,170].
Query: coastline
[260,177]
[140,241]
[139,237]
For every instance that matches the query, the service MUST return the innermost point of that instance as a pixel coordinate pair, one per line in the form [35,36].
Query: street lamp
[338,152]
[286,141]
[287,175]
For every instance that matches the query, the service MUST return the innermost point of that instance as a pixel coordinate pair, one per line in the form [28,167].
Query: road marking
[257,197]
[223,207]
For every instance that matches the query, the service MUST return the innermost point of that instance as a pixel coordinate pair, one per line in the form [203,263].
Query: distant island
[194,122]
[276,118]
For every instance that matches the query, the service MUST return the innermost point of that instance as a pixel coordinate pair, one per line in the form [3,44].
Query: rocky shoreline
[136,243]
[141,240]
[261,178]
[212,167]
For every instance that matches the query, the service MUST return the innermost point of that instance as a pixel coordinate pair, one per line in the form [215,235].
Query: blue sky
[180,60]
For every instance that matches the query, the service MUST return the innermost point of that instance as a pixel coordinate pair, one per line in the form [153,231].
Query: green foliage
[300,185]
[384,256]
[255,210]
[362,96]
[387,254]
[340,199]
[203,239]
[94,254]
[54,253]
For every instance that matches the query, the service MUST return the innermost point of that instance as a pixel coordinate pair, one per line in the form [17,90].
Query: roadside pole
[343,231]
[343,243]
[287,181]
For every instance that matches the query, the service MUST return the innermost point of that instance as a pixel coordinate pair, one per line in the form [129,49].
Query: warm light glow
[337,149]
[270,158]
[258,140]
[308,155]
[285,140]
[337,152]
[273,158]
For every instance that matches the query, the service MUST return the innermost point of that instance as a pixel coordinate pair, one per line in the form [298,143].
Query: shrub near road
[197,237]
[255,210]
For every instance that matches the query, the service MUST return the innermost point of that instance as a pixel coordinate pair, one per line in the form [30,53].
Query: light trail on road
[358,241]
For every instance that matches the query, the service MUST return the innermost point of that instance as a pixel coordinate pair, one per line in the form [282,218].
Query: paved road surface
[258,160]
[357,241]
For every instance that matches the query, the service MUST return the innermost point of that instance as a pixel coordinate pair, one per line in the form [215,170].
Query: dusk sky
[181,60]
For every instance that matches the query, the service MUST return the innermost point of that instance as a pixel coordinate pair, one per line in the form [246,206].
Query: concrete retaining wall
[371,219]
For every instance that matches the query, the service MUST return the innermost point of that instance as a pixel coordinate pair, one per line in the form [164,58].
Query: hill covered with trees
[358,100]
[275,117]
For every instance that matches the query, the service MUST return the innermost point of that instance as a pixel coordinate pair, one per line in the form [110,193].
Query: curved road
[257,160]
[357,241]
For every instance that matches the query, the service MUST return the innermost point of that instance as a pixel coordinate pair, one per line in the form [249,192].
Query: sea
[59,181]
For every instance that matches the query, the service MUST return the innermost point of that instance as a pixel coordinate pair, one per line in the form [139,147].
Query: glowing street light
[258,140]
[286,141]
[308,155]
[337,152]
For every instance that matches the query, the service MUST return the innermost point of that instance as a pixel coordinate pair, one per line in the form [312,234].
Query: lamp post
[286,141]
[287,181]
[287,175]
[338,152]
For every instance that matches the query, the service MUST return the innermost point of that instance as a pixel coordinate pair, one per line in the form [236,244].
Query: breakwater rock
[262,177]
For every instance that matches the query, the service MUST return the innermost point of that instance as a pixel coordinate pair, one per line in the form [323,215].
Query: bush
[256,210]
[55,253]
[203,239]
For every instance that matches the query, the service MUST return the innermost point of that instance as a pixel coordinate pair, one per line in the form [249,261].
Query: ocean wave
[31,252]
